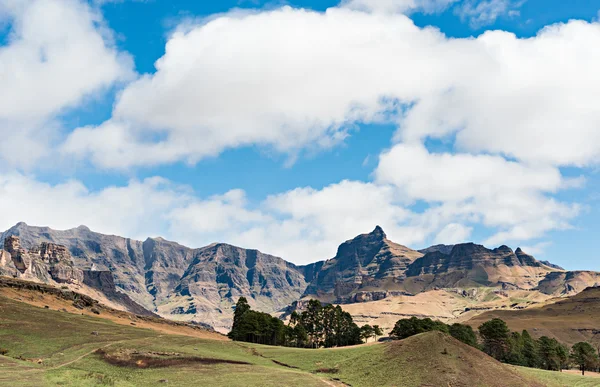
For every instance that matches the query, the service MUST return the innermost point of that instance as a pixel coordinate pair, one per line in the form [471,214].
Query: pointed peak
[20,225]
[379,232]
[519,251]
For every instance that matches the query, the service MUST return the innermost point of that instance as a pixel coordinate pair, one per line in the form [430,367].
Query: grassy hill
[48,347]
[569,321]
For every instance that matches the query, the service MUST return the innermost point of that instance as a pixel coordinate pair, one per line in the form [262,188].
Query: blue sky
[291,127]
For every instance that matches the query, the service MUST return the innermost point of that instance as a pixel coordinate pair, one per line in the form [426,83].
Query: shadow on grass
[145,361]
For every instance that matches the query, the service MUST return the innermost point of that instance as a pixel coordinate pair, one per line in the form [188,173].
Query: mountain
[173,280]
[203,284]
[220,273]
[469,265]
[365,263]
[446,249]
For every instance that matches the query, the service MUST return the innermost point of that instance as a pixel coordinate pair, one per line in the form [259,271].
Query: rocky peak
[367,260]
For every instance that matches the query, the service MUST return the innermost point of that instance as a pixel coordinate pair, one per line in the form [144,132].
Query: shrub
[3,351]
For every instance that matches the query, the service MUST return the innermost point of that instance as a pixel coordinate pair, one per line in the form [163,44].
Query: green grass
[66,347]
[559,379]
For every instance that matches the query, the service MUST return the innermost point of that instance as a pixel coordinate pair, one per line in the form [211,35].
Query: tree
[563,356]
[312,320]
[496,338]
[551,354]
[584,355]
[413,326]
[366,332]
[463,333]
[377,331]
[241,307]
[530,350]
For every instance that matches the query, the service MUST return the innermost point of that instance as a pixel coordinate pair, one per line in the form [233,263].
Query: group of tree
[409,327]
[317,326]
[509,347]
[545,353]
[256,327]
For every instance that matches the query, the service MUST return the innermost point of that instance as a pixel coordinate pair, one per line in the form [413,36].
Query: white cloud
[249,79]
[485,12]
[453,233]
[58,53]
[487,190]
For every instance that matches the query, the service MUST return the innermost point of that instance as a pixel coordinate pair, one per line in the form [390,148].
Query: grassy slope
[417,361]
[570,320]
[64,344]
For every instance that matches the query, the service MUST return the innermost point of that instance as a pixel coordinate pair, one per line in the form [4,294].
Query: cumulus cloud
[57,53]
[250,79]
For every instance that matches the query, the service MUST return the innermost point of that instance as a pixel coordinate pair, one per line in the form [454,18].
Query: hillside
[569,320]
[82,350]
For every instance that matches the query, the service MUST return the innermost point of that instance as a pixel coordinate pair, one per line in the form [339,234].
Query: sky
[290,127]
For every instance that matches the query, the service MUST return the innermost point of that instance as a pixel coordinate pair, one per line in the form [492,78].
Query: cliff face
[46,262]
[219,274]
[469,264]
[367,261]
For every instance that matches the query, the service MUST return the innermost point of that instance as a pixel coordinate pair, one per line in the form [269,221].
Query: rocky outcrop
[550,264]
[367,261]
[568,283]
[46,262]
[444,249]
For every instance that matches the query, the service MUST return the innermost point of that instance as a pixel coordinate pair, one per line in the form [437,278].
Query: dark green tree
[413,326]
[241,307]
[366,332]
[496,338]
[548,353]
[584,355]
[377,331]
[530,350]
[463,333]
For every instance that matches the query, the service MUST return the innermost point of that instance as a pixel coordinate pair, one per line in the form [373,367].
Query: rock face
[46,262]
[219,274]
[469,265]
[369,261]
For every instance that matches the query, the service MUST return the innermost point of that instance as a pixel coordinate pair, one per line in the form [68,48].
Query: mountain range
[203,284]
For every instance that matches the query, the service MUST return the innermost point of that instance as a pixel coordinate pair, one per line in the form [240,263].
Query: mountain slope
[369,261]
[174,280]
[219,274]
[570,320]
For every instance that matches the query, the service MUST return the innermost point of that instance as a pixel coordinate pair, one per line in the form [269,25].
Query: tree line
[318,326]
[508,347]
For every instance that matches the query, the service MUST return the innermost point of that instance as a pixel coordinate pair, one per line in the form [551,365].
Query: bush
[413,326]
[3,351]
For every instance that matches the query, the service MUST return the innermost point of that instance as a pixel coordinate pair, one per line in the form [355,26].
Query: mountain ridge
[203,284]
